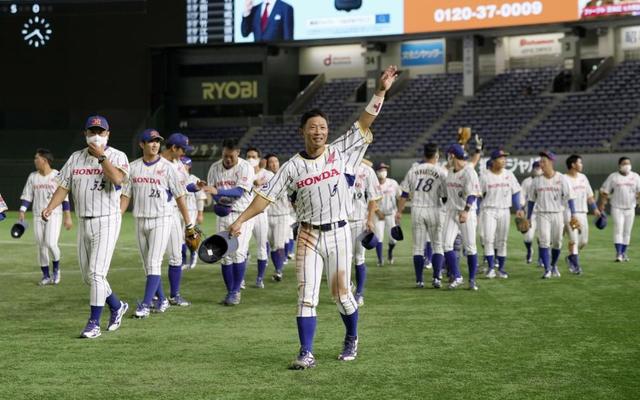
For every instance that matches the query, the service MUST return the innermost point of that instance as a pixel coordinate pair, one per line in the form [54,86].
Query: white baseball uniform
[176,235]
[97,205]
[261,221]
[550,195]
[524,200]
[38,191]
[389,190]
[3,205]
[322,197]
[152,186]
[582,191]
[426,185]
[622,191]
[459,186]
[279,222]
[497,191]
[364,190]
[195,200]
[240,175]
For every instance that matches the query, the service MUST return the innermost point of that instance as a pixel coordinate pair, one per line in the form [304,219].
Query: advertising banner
[221,90]
[332,60]
[414,54]
[630,38]
[535,45]
[605,8]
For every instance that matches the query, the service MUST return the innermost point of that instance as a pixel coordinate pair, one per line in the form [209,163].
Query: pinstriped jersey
[153,187]
[622,189]
[389,190]
[460,185]
[365,189]
[182,175]
[240,175]
[93,194]
[319,186]
[550,194]
[582,191]
[426,184]
[192,198]
[261,177]
[497,189]
[39,189]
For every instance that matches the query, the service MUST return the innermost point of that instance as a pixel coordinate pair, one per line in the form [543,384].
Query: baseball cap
[489,163]
[498,153]
[97,121]
[150,134]
[180,140]
[457,151]
[549,154]
[186,161]
[536,164]
[381,166]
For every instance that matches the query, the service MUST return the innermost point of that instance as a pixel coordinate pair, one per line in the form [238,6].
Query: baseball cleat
[350,349]
[260,283]
[456,282]
[225,300]
[491,274]
[555,272]
[233,299]
[436,283]
[179,301]
[419,285]
[473,286]
[45,281]
[502,274]
[380,263]
[427,266]
[624,257]
[546,275]
[391,260]
[277,276]
[56,277]
[619,258]
[91,331]
[194,261]
[243,285]
[160,306]
[578,271]
[290,256]
[142,311]
[305,360]
[359,299]
[116,316]
[529,260]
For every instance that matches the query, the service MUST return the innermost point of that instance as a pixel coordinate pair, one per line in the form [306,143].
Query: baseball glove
[193,237]
[575,224]
[464,134]
[523,224]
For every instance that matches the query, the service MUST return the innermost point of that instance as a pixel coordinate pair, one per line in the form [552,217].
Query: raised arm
[373,109]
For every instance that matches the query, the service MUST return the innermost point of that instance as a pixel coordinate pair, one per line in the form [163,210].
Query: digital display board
[209,21]
[593,9]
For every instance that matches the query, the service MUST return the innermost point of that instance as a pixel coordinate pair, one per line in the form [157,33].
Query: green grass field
[520,338]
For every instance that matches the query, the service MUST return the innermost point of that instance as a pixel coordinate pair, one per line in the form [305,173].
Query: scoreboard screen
[209,21]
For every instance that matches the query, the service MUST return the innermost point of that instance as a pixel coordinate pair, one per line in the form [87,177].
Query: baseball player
[424,183]
[3,209]
[584,201]
[39,188]
[195,198]
[623,187]
[279,223]
[549,193]
[526,186]
[366,195]
[152,184]
[387,207]
[462,190]
[231,179]
[500,190]
[175,147]
[94,176]
[317,177]
[261,221]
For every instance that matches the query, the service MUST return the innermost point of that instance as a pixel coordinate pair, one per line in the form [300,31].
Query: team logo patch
[331,158]
[160,172]
[265,186]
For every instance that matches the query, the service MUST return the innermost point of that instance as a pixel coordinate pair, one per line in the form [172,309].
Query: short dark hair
[269,155]
[315,112]
[46,154]
[231,144]
[253,148]
[623,159]
[572,159]
[430,150]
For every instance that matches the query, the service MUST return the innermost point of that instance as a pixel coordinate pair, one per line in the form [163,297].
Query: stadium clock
[36,31]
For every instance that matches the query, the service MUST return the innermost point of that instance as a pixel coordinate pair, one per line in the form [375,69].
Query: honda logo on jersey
[317,179]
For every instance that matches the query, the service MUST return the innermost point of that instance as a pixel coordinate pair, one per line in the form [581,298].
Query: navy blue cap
[549,154]
[489,163]
[536,164]
[186,161]
[498,153]
[381,166]
[457,151]
[150,134]
[97,121]
[180,140]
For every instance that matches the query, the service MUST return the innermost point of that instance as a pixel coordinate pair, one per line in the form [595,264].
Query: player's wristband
[375,105]
[189,226]
[592,206]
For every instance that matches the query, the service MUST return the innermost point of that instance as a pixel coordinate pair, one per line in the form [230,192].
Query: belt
[324,227]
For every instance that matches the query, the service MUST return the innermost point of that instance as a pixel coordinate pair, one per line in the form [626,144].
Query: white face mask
[625,169]
[382,174]
[97,140]
[537,172]
[253,162]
